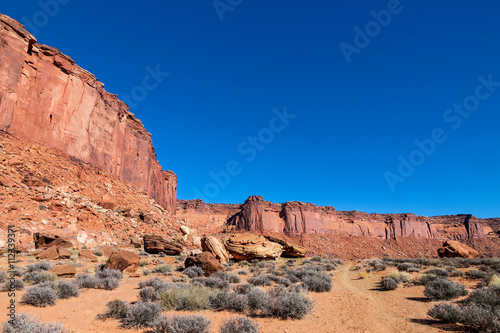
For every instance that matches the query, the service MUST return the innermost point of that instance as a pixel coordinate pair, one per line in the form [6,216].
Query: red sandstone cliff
[295,218]
[45,97]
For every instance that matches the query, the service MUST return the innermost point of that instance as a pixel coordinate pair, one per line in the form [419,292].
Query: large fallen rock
[66,271]
[88,254]
[453,249]
[290,249]
[53,253]
[251,246]
[214,246]
[155,244]
[123,260]
[46,240]
[206,261]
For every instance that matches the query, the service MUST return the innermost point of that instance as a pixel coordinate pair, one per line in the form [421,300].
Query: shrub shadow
[442,326]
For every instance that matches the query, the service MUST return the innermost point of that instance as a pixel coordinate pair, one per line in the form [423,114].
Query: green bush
[190,298]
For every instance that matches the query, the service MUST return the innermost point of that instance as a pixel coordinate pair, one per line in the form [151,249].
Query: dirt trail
[353,305]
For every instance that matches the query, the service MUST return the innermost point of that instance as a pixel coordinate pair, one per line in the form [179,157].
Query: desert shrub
[109,273]
[242,272]
[155,282]
[189,298]
[3,276]
[317,283]
[147,294]
[25,323]
[444,289]
[456,273]
[476,274]
[39,266]
[108,279]
[11,285]
[85,280]
[229,301]
[239,325]
[38,276]
[65,289]
[401,277]
[261,280]
[109,283]
[98,253]
[494,281]
[182,324]
[407,267]
[258,299]
[362,275]
[485,297]
[143,262]
[244,263]
[117,309]
[288,304]
[163,268]
[427,278]
[281,280]
[438,272]
[244,288]
[232,278]
[376,264]
[193,272]
[39,296]
[141,314]
[481,318]
[388,283]
[447,313]
[316,258]
[216,283]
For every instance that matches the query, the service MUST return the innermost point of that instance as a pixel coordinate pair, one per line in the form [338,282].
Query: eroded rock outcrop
[155,244]
[215,246]
[251,246]
[295,218]
[46,98]
[452,249]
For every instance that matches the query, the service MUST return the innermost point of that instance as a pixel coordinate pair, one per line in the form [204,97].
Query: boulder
[214,246]
[250,246]
[66,271]
[453,249]
[123,260]
[206,261]
[88,254]
[290,249]
[53,253]
[49,254]
[46,240]
[155,244]
[136,242]
[63,253]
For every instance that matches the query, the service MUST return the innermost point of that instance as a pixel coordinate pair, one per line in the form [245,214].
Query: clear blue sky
[353,120]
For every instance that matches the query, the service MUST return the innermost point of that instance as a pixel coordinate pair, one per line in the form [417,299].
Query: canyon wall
[295,218]
[46,98]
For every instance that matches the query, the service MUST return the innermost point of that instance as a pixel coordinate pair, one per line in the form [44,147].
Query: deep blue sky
[353,120]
